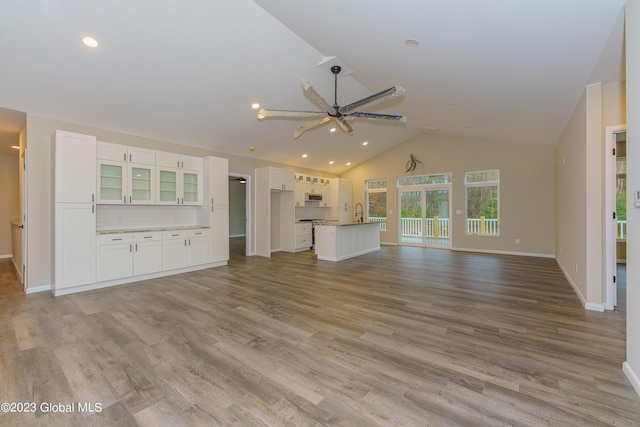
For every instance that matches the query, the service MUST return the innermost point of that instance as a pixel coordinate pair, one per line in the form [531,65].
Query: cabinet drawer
[112,239]
[303,242]
[303,229]
[202,232]
[174,234]
[147,237]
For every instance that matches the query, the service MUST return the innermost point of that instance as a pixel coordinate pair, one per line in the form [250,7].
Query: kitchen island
[336,241]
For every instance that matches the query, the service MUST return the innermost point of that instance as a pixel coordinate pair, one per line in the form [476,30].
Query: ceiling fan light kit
[340,114]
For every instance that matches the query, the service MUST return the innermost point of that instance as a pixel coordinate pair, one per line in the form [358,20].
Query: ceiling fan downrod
[336,70]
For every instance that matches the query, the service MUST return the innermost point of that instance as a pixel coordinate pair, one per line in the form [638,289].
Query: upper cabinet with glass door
[179,179]
[126,175]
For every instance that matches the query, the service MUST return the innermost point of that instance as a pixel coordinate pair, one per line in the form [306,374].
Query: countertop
[150,229]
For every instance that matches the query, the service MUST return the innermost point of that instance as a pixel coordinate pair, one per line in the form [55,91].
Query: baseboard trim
[631,376]
[389,243]
[43,288]
[488,251]
[132,279]
[6,256]
[587,305]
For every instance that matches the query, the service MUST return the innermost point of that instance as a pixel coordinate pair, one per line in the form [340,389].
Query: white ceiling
[187,71]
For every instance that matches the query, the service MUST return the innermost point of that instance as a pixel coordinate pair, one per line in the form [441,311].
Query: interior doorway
[240,212]
[615,210]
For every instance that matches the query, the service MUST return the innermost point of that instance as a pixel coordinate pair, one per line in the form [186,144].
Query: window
[376,198]
[482,189]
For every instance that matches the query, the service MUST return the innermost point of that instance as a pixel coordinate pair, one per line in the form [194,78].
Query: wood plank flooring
[401,337]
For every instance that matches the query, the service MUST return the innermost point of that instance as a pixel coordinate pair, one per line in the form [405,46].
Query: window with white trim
[482,200]
[376,200]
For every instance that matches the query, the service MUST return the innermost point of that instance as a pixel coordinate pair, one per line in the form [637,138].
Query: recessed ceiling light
[365,143]
[90,41]
[411,42]
[255,105]
[332,130]
[331,162]
[16,147]
[348,163]
[304,156]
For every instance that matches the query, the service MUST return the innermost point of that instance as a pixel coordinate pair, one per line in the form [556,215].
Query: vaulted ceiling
[188,71]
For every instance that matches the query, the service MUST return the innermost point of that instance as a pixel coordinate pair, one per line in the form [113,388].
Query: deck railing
[413,227]
[382,221]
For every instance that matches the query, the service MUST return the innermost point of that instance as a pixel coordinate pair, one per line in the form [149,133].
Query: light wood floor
[404,336]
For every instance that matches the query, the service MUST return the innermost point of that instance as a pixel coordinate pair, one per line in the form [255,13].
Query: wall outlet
[517,241]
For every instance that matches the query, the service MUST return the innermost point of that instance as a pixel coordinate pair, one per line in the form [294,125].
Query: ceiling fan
[340,114]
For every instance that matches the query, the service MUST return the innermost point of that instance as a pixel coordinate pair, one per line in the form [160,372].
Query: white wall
[526,188]
[632,365]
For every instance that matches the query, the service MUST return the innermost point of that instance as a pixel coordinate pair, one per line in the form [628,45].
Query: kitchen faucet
[360,214]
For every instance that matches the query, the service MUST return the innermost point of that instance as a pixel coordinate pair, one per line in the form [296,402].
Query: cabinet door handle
[136,247]
[129,157]
[129,199]
[124,199]
[147,237]
[93,208]
[174,235]
[185,242]
[115,240]
[93,197]
[130,248]
[178,163]
[124,156]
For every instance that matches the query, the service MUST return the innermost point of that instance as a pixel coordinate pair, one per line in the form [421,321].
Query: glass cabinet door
[111,183]
[141,183]
[167,187]
[190,188]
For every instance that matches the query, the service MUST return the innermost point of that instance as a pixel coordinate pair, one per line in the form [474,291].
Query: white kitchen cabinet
[147,252]
[174,250]
[75,168]
[304,236]
[197,247]
[178,179]
[299,190]
[75,210]
[219,233]
[341,206]
[125,153]
[182,248]
[280,179]
[75,244]
[126,175]
[216,171]
[115,256]
[125,183]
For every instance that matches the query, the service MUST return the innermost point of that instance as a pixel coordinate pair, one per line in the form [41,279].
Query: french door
[425,218]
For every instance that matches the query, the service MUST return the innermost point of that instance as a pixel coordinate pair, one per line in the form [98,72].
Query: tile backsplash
[125,217]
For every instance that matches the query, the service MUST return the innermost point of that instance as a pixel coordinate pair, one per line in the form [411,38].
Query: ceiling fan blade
[310,125]
[262,114]
[376,98]
[320,101]
[361,115]
[344,125]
